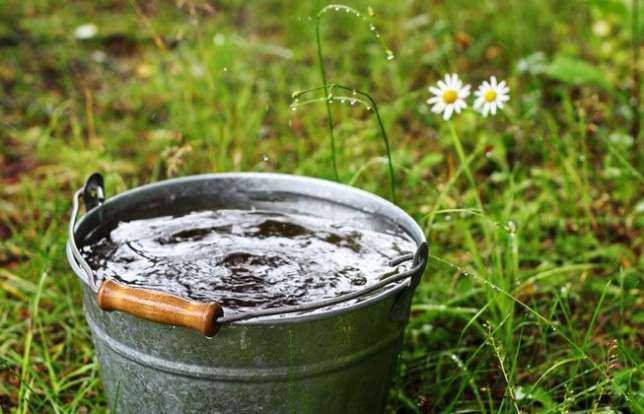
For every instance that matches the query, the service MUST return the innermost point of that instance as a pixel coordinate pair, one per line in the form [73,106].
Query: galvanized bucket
[337,356]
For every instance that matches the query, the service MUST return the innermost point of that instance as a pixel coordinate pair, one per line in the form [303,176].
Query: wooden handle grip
[159,307]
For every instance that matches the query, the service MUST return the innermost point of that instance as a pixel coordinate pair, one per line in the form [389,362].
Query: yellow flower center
[489,95]
[449,96]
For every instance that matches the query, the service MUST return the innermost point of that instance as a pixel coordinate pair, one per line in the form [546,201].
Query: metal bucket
[334,359]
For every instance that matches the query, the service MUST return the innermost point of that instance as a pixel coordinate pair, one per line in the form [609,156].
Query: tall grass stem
[329,113]
[371,105]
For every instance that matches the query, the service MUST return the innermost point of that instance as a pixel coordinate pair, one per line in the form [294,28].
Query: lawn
[532,299]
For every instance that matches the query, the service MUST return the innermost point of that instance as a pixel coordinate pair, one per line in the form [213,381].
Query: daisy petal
[486,109]
[448,112]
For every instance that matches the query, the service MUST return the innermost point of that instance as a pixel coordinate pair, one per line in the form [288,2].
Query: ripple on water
[244,259]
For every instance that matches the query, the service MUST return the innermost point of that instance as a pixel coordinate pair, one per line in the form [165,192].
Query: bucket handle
[146,304]
[207,318]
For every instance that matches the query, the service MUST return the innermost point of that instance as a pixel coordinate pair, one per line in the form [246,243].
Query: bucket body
[333,360]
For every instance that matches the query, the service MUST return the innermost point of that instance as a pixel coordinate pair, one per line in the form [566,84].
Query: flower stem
[465,163]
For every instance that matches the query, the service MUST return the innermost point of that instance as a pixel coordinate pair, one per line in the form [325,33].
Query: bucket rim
[410,226]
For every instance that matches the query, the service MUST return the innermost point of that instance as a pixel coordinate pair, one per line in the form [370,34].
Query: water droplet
[390,55]
[265,157]
[370,11]
[368,108]
[352,102]
[293,108]
[342,100]
[225,69]
[354,92]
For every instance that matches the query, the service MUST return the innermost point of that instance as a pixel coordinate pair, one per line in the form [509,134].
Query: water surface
[244,259]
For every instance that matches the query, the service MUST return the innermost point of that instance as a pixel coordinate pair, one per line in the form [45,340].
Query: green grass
[532,299]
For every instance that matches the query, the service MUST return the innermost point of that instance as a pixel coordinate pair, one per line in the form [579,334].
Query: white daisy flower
[449,96]
[490,96]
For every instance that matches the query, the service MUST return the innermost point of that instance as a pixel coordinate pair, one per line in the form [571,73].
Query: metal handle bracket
[94,191]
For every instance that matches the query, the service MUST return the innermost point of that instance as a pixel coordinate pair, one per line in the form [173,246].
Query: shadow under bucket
[336,357]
